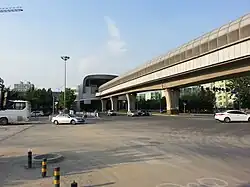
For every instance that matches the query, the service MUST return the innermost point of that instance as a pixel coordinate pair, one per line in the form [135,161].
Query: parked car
[37,113]
[143,113]
[67,119]
[111,113]
[232,115]
[132,113]
[163,111]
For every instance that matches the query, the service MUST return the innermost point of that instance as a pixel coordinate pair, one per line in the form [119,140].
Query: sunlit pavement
[124,151]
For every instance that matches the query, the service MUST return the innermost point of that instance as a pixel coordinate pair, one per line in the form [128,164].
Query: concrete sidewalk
[184,115]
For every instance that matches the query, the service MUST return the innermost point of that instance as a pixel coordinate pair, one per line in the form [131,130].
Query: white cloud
[112,28]
[115,44]
[110,57]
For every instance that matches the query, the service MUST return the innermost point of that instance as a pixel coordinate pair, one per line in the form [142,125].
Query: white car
[111,113]
[67,119]
[36,113]
[132,113]
[232,115]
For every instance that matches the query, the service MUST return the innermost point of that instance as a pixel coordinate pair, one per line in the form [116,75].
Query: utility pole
[160,102]
[1,92]
[53,110]
[65,58]
[184,105]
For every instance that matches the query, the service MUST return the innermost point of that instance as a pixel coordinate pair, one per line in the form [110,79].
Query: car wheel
[248,119]
[56,122]
[3,121]
[73,122]
[227,120]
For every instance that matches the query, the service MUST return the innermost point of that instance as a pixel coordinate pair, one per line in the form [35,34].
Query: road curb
[182,115]
[38,161]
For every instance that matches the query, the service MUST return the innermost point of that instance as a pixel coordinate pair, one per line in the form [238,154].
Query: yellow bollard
[57,177]
[44,167]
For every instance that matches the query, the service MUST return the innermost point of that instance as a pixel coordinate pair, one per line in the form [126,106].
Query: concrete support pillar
[120,105]
[172,100]
[104,104]
[78,98]
[131,100]
[114,103]
[78,105]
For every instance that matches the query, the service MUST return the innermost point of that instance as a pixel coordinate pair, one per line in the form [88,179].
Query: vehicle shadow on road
[207,128]
[244,185]
[225,153]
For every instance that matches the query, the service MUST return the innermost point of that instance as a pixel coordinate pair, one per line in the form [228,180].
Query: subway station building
[86,91]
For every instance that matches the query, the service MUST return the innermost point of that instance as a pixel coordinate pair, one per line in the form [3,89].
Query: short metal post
[73,184]
[53,110]
[44,167]
[57,177]
[30,159]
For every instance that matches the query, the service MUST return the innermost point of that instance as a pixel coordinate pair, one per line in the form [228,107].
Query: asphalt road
[124,151]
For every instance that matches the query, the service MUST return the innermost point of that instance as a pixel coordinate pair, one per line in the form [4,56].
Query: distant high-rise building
[223,99]
[23,87]
[189,90]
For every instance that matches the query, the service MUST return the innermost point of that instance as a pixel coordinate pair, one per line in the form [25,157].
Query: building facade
[223,99]
[86,91]
[189,90]
[23,87]
[156,95]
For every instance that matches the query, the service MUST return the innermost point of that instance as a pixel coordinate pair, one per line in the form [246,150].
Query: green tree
[241,87]
[192,102]
[13,95]
[202,101]
[207,99]
[152,104]
[33,96]
[70,98]
[40,99]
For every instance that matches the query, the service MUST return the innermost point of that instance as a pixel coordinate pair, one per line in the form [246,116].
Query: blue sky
[100,36]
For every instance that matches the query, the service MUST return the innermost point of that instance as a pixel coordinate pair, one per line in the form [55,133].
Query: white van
[16,111]
[37,113]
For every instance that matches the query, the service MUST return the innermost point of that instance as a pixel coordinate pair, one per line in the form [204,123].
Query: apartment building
[23,87]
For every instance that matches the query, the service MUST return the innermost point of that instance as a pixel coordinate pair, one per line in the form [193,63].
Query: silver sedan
[67,119]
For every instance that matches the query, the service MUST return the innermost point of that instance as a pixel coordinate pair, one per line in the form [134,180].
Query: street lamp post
[1,92]
[65,58]
[184,106]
